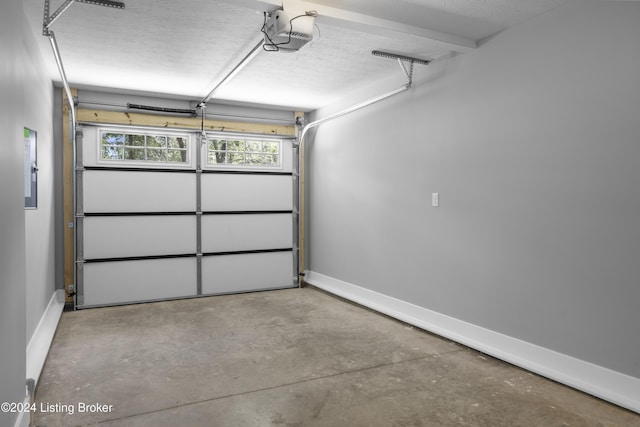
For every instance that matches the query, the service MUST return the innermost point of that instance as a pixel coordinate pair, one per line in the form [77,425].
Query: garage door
[168,214]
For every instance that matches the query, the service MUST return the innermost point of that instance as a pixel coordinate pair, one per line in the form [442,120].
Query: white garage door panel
[246,272]
[155,231]
[239,192]
[144,280]
[127,236]
[126,191]
[222,233]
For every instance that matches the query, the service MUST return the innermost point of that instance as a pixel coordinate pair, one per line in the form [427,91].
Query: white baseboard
[40,341]
[615,387]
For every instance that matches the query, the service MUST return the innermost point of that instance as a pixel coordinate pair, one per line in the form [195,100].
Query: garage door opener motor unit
[288,32]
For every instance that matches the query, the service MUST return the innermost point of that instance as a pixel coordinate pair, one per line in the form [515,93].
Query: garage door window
[139,147]
[244,153]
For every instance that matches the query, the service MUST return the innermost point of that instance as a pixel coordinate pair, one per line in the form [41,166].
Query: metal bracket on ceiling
[401,60]
[391,55]
[49,19]
[409,73]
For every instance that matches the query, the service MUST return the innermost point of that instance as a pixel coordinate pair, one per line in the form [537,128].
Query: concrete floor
[296,357]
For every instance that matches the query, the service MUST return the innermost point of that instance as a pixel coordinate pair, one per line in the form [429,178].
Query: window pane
[254,146]
[135,140]
[156,141]
[112,138]
[140,147]
[111,153]
[235,145]
[257,159]
[243,152]
[176,142]
[156,155]
[236,158]
[177,156]
[217,157]
[217,144]
[268,160]
[134,153]
[271,147]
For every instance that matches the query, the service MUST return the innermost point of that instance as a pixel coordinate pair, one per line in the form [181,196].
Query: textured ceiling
[183,48]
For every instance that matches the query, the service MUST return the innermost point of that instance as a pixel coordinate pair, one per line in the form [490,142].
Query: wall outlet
[435,199]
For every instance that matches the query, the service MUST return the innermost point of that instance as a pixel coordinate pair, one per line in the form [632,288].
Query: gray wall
[12,229]
[26,237]
[533,142]
[39,223]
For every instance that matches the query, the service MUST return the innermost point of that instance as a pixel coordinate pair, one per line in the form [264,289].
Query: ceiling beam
[361,22]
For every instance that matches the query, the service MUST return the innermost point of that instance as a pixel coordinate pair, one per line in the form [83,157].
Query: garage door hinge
[31,387]
[71,290]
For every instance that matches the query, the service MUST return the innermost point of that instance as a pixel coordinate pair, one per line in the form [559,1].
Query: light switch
[435,199]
